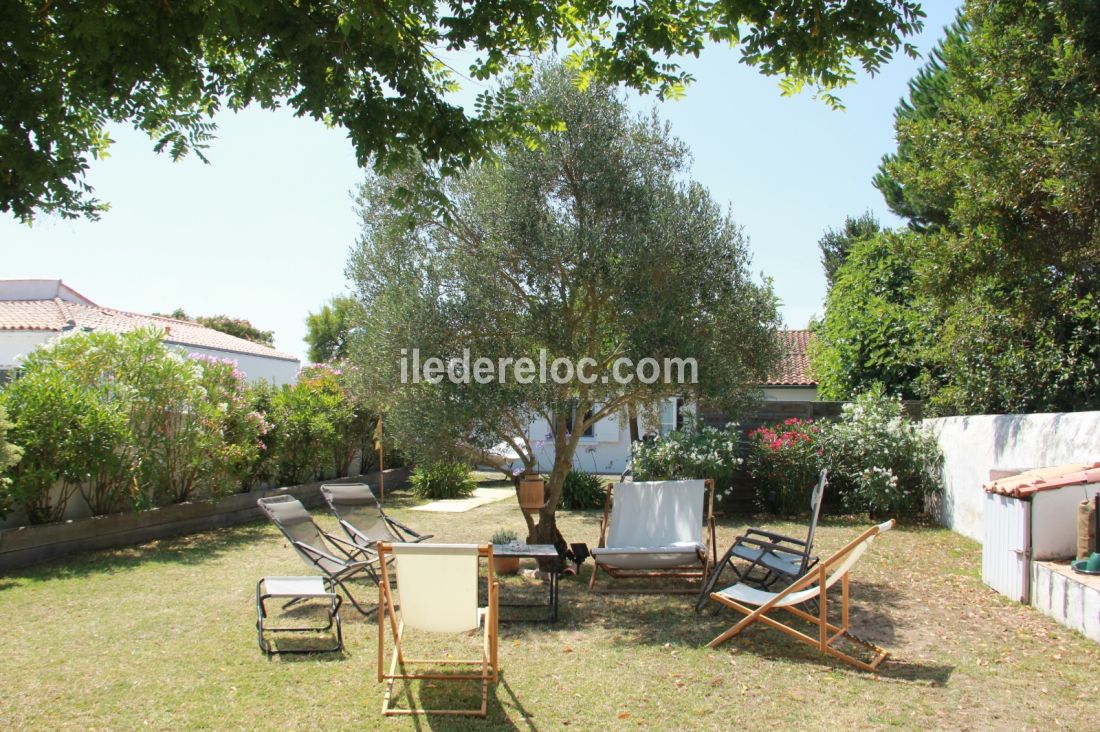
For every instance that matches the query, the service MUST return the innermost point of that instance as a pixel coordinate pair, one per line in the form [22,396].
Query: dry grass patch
[162,636]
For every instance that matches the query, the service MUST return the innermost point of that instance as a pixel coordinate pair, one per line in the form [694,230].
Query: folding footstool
[294,590]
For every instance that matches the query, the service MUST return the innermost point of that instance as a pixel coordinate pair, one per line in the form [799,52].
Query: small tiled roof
[793,368]
[58,315]
[1030,482]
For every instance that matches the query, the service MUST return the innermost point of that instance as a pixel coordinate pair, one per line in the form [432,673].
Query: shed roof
[1026,484]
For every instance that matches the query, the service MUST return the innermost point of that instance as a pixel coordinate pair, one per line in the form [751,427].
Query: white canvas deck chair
[437,592]
[814,585]
[656,529]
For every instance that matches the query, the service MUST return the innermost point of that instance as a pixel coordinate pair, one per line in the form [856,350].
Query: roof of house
[37,305]
[794,367]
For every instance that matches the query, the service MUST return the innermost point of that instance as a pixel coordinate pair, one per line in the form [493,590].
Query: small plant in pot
[505,565]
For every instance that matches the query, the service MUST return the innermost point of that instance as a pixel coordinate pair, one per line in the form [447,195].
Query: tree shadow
[667,620]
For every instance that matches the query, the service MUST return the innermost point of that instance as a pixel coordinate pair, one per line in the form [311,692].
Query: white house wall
[276,370]
[790,393]
[973,446]
[15,344]
[607,451]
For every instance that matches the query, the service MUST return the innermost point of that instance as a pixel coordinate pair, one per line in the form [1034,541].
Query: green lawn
[161,636]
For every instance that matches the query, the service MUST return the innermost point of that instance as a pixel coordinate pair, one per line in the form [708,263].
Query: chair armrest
[403,529]
[318,554]
[775,537]
[767,546]
[351,549]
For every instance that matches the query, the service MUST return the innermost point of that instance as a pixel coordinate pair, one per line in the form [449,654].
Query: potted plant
[505,565]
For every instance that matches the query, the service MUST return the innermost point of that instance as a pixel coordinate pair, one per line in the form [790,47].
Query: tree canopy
[233,326]
[588,245]
[835,244]
[382,71]
[330,330]
[996,171]
[872,329]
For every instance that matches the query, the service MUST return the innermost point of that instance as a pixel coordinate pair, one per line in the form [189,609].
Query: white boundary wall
[973,446]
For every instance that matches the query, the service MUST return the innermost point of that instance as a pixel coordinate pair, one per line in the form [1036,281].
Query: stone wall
[26,545]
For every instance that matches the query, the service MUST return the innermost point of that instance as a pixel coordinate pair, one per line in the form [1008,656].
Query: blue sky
[263,232]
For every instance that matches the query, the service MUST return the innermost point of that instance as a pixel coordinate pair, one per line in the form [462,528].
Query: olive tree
[588,245]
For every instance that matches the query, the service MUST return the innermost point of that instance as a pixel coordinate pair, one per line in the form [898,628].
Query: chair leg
[712,578]
[592,579]
[352,600]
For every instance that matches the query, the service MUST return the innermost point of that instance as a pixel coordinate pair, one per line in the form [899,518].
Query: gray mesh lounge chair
[771,557]
[316,547]
[362,517]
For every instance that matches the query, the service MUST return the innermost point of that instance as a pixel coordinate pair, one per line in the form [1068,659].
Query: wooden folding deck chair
[655,529]
[437,587]
[813,586]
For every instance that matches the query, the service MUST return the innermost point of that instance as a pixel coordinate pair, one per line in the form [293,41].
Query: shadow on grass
[188,549]
[670,620]
[305,650]
[501,700]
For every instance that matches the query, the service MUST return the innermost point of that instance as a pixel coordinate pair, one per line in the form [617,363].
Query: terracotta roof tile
[794,367]
[55,315]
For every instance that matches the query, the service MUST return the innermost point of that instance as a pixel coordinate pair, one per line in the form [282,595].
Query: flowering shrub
[784,460]
[48,415]
[696,451]
[126,421]
[879,461]
[319,423]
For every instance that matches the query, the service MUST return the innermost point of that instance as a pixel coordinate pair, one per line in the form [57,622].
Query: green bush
[879,461]
[318,423]
[695,451]
[9,455]
[126,422]
[442,480]
[582,491]
[72,435]
[784,460]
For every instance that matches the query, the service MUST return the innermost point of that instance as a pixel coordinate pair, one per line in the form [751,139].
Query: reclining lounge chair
[771,557]
[336,558]
[362,518]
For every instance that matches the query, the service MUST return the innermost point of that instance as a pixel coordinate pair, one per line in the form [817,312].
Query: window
[591,431]
[671,419]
